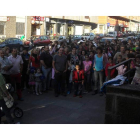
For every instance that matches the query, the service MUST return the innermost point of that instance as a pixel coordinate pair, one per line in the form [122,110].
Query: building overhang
[68,21]
[123,18]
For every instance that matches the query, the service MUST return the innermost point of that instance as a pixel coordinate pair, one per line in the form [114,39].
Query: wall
[122,104]
[10,29]
[28,34]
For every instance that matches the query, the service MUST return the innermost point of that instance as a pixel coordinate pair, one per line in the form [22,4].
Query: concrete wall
[10,29]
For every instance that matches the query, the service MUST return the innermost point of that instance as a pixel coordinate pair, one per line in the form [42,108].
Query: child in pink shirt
[87,68]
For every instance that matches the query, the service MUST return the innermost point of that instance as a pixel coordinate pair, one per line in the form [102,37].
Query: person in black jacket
[25,76]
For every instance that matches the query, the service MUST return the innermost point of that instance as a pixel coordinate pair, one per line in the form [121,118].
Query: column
[66,30]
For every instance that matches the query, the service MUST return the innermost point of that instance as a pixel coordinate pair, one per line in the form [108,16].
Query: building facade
[117,23]
[66,25]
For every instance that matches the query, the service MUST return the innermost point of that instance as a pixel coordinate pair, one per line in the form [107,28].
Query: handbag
[9,101]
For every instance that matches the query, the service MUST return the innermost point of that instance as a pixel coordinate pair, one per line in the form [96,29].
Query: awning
[68,21]
[123,18]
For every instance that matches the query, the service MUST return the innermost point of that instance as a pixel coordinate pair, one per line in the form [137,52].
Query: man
[122,52]
[25,77]
[46,62]
[5,66]
[15,71]
[60,67]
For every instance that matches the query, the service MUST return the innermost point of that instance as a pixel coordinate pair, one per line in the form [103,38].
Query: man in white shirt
[15,71]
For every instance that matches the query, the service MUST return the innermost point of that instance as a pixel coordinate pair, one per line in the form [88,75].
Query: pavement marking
[50,119]
[41,106]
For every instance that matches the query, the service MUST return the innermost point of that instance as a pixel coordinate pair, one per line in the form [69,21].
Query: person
[2,102]
[87,67]
[136,78]
[73,59]
[25,76]
[34,60]
[46,62]
[22,37]
[109,64]
[99,65]
[6,51]
[38,82]
[32,79]
[5,66]
[119,59]
[122,52]
[15,71]
[60,67]
[78,79]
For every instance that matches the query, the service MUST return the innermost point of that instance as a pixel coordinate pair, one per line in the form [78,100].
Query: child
[87,67]
[136,79]
[38,82]
[121,69]
[78,79]
[32,79]
[110,64]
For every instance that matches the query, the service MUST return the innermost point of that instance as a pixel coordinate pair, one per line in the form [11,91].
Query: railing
[126,73]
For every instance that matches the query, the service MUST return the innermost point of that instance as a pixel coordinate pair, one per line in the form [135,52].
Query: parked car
[38,40]
[88,36]
[13,43]
[74,38]
[112,34]
[62,39]
[103,40]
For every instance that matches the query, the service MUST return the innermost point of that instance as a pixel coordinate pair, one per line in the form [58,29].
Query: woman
[6,51]
[34,60]
[99,65]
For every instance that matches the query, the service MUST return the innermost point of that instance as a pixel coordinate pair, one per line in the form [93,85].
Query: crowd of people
[68,68]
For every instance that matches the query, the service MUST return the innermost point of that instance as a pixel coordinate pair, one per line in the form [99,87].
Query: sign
[3,18]
[38,18]
[108,24]
[47,19]
[8,19]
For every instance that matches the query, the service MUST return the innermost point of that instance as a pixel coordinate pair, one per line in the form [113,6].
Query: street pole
[25,27]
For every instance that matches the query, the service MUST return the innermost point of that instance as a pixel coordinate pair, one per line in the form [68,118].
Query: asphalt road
[47,109]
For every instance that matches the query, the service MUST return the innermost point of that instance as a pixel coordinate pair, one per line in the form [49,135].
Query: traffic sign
[108,24]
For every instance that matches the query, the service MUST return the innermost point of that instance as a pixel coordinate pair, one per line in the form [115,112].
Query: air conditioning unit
[19,36]
[2,36]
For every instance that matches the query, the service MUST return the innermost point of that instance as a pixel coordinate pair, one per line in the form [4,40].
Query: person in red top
[78,79]
[109,64]
[34,59]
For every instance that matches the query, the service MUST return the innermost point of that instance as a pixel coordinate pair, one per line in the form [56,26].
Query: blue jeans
[96,75]
[48,74]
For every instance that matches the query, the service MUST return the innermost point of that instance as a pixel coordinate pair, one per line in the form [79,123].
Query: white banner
[3,18]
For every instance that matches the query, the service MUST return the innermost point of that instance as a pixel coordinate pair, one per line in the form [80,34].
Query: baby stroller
[16,111]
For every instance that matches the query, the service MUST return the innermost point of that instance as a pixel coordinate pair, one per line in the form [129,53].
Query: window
[20,27]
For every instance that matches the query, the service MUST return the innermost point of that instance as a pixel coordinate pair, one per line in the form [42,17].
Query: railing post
[109,71]
[128,68]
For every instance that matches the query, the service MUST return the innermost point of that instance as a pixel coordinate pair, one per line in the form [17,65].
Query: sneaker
[95,92]
[37,94]
[74,95]
[80,96]
[40,93]
[68,92]
[17,123]
[101,93]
